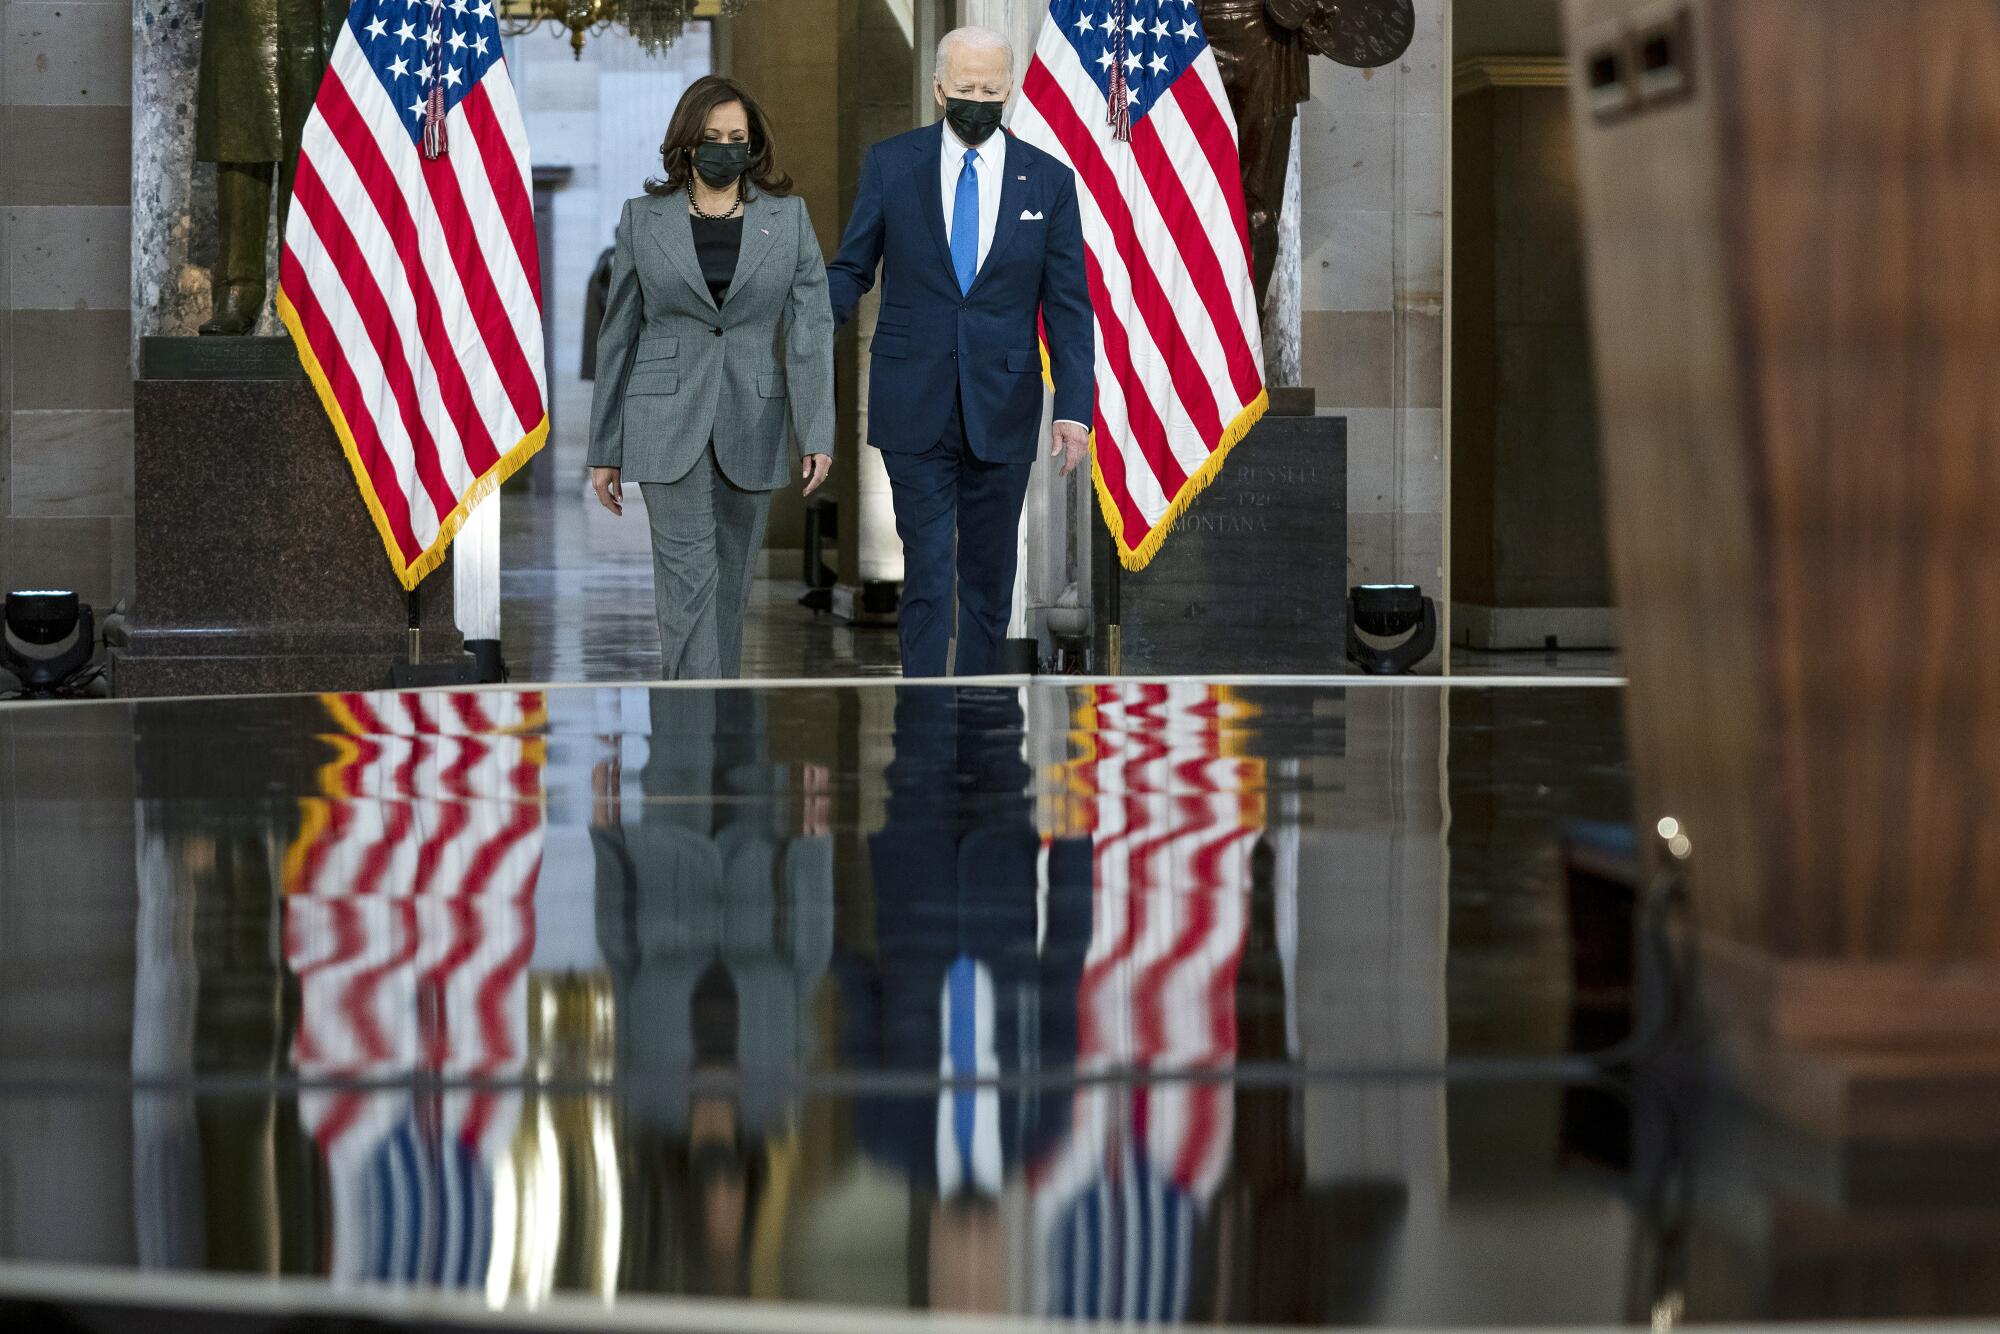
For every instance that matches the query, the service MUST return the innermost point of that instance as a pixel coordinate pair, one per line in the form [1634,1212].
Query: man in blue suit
[977,234]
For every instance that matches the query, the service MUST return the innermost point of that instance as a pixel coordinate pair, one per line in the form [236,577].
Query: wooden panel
[1680,489]
[1796,308]
[1866,153]
[1797,311]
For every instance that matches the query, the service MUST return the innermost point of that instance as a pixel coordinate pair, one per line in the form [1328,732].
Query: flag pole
[415,602]
[1113,633]
[1113,590]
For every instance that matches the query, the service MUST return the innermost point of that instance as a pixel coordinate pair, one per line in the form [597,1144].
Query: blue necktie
[965,223]
[964,975]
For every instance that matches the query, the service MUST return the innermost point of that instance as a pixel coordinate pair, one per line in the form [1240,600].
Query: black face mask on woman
[972,122]
[720,163]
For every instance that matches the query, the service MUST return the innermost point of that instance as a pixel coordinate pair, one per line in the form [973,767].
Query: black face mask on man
[721,163]
[972,122]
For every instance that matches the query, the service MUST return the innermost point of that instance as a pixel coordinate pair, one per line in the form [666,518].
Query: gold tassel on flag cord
[1118,100]
[435,145]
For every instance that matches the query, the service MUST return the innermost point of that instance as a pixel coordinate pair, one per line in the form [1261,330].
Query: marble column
[879,86]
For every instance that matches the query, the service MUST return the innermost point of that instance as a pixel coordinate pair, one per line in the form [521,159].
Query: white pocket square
[1029,215]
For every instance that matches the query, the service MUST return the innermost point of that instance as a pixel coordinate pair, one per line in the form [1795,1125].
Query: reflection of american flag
[1179,353]
[410,279]
[410,923]
[1177,816]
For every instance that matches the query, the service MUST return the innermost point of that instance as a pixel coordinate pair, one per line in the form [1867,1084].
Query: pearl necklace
[695,207]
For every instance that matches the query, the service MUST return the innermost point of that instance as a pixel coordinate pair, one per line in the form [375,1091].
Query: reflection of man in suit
[979,952]
[717,924]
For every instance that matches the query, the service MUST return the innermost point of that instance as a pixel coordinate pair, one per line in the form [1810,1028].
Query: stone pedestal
[1254,576]
[258,568]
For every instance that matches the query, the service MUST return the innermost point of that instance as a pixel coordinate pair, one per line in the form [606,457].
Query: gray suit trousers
[707,531]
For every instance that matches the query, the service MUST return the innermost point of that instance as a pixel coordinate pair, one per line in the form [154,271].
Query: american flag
[1128,94]
[410,278]
[1174,814]
[409,922]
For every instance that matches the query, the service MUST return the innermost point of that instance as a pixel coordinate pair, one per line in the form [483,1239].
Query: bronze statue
[261,62]
[1261,47]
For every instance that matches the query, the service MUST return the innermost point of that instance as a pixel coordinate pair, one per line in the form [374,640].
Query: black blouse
[716,242]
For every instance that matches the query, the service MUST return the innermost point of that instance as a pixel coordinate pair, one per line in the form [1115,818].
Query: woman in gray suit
[717,337]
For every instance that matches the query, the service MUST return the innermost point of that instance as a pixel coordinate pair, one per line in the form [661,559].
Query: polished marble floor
[577,593]
[1544,663]
[577,605]
[1152,1003]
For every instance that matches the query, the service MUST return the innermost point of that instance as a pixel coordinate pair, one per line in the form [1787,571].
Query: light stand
[49,641]
[1390,612]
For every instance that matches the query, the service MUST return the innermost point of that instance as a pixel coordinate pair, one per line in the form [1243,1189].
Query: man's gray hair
[973,39]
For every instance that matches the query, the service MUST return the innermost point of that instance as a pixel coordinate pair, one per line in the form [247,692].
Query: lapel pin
[1020,178]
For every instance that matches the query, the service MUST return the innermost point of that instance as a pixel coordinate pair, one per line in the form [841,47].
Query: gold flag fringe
[1139,557]
[411,573]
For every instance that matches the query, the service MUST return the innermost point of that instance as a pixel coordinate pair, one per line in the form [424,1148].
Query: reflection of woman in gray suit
[695,387]
[716,922]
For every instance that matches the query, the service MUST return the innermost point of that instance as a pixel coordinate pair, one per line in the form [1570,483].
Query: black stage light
[50,638]
[1390,612]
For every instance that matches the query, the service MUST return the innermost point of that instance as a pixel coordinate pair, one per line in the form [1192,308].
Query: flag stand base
[256,566]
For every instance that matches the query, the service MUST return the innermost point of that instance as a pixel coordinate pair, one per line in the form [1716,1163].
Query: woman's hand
[817,467]
[610,491]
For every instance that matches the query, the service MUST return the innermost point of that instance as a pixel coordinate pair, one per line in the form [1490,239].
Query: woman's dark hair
[690,119]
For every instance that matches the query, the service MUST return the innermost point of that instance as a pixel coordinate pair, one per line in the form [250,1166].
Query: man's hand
[607,778]
[1071,439]
[817,817]
[817,466]
[610,491]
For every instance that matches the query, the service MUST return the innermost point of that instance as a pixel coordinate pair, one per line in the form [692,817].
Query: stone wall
[1374,151]
[65,326]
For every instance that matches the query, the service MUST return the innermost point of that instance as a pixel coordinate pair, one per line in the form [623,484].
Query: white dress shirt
[990,163]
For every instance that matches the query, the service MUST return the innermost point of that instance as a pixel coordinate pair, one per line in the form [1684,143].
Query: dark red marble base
[141,675]
[258,568]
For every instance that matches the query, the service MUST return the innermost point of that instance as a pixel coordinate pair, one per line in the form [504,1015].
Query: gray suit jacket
[673,371]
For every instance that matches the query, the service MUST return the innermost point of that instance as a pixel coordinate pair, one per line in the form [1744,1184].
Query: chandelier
[654,23]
